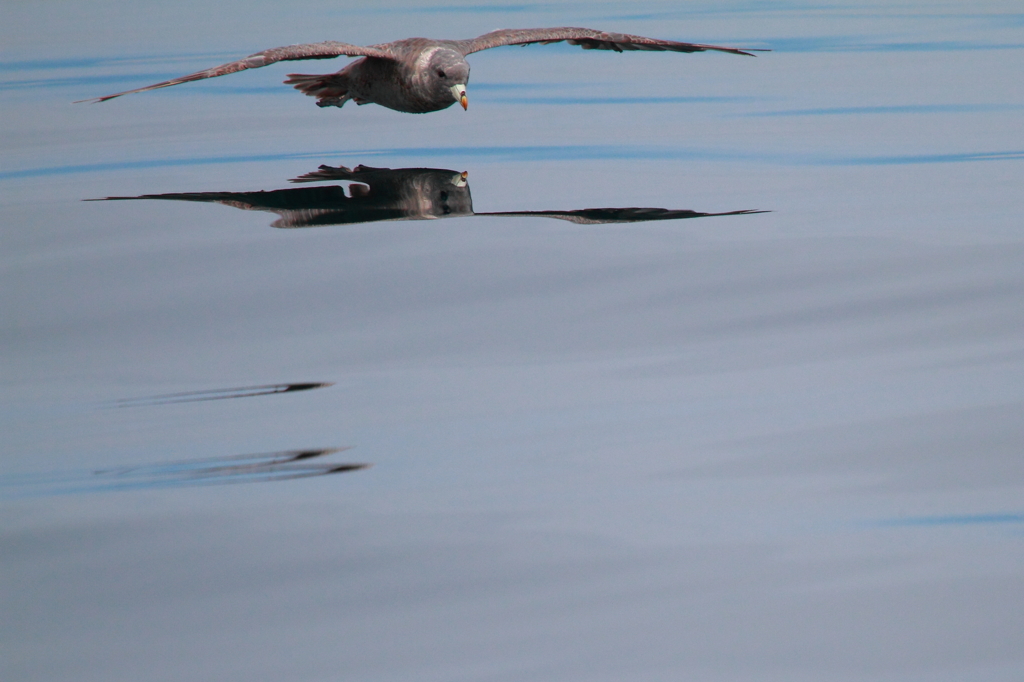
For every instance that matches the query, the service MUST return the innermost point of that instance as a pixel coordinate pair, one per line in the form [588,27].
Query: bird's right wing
[325,50]
[588,39]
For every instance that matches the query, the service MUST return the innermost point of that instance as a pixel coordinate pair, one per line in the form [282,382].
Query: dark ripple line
[953,520]
[72,81]
[92,62]
[552,153]
[615,100]
[251,468]
[514,153]
[219,394]
[926,158]
[888,109]
[848,44]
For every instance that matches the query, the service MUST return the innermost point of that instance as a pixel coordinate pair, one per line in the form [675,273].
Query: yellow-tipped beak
[460,94]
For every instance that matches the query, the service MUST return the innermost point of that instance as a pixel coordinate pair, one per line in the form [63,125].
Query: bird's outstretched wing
[325,50]
[586,38]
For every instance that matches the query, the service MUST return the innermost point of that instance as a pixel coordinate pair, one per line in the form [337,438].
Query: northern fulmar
[418,75]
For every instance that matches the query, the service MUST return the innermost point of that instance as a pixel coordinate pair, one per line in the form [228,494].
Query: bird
[418,75]
[386,194]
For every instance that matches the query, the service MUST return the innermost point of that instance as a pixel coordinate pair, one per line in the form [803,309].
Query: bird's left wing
[325,50]
[587,38]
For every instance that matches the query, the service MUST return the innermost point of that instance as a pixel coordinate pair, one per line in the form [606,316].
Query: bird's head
[448,72]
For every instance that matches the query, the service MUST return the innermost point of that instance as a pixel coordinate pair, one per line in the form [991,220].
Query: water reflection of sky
[783,445]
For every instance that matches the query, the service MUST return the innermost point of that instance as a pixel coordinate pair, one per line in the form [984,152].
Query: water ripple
[269,466]
[535,153]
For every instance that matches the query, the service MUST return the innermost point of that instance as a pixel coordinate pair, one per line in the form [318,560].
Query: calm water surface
[782,445]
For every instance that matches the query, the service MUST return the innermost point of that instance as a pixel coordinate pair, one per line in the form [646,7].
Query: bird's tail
[331,90]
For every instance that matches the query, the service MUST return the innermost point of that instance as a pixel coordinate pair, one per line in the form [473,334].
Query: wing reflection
[378,194]
[269,466]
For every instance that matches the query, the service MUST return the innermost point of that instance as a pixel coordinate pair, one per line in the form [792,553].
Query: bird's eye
[440,73]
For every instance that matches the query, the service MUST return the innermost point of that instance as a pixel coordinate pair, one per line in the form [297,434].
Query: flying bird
[418,75]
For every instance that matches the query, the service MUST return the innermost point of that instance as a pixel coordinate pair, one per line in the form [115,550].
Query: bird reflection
[380,194]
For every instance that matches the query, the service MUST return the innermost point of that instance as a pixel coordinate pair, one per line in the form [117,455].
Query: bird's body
[419,80]
[417,75]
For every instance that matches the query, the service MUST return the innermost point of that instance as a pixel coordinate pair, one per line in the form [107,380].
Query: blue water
[779,445]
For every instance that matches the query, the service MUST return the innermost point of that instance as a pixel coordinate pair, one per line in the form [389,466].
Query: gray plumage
[418,75]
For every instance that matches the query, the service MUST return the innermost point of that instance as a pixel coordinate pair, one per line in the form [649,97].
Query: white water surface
[778,446]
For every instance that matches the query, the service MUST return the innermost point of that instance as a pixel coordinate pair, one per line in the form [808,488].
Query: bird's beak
[459,90]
